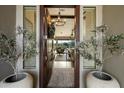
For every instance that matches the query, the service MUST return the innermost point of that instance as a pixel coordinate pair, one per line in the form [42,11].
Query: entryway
[59,61]
[62,73]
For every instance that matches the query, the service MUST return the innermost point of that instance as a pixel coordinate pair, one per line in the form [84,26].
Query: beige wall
[113,16]
[8,19]
[7,26]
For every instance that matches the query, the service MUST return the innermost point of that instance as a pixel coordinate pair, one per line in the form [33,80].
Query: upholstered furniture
[60,50]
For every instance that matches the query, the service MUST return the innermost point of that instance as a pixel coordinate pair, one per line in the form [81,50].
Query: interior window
[89,24]
[29,24]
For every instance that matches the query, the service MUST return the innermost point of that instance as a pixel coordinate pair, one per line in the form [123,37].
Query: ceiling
[66,30]
[64,11]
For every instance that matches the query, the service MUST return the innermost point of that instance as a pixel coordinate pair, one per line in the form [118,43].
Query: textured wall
[7,26]
[8,19]
[113,16]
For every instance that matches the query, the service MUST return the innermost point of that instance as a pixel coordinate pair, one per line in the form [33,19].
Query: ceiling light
[59,21]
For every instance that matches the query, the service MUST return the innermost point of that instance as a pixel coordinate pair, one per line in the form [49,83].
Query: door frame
[42,46]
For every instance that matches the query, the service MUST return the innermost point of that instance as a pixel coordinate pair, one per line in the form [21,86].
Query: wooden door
[77,38]
[43,45]
[43,48]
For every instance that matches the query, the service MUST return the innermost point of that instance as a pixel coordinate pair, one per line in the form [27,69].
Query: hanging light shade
[59,21]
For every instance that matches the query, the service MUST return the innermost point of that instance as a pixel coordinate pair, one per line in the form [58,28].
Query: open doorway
[63,64]
[59,61]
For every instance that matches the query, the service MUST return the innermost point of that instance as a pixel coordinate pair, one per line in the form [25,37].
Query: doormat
[62,78]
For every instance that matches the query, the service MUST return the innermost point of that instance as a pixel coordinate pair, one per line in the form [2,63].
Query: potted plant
[10,53]
[60,49]
[104,46]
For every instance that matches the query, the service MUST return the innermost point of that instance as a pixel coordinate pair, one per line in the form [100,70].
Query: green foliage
[29,45]
[111,44]
[51,30]
[70,44]
[66,45]
[9,50]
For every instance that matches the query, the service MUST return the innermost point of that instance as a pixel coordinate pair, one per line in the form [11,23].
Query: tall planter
[19,80]
[11,51]
[97,79]
[101,47]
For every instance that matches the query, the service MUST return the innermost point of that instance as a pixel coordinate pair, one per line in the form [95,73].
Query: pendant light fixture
[59,21]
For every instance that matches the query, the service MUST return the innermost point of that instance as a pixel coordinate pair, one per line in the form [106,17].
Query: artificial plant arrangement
[60,49]
[101,46]
[51,30]
[10,51]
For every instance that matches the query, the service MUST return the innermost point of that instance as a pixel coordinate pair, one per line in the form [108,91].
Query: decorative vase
[97,79]
[19,80]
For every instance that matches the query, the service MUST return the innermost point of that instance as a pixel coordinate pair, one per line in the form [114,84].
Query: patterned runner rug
[62,78]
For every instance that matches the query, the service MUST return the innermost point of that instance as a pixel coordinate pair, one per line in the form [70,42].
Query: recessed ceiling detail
[64,11]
